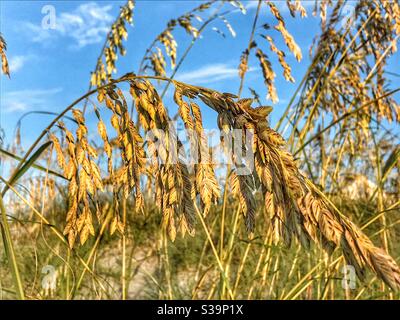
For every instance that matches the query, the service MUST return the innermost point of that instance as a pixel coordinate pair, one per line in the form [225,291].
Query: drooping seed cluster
[268,74]
[106,62]
[154,54]
[287,70]
[130,144]
[84,179]
[294,209]
[296,6]
[174,190]
[205,180]
[4,62]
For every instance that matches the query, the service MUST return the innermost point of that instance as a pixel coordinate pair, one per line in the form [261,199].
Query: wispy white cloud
[25,100]
[209,73]
[19,61]
[87,24]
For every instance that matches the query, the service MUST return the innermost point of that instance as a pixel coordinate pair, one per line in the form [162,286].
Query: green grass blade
[10,253]
[29,163]
[391,162]
[36,166]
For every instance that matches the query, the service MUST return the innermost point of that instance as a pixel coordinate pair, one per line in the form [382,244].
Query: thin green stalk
[34,165]
[224,204]
[203,251]
[249,45]
[10,252]
[384,236]
[94,248]
[52,227]
[300,286]
[241,267]
[344,116]
[275,273]
[266,243]
[230,250]
[369,76]
[123,273]
[223,215]
[67,276]
[293,98]
[215,252]
[167,267]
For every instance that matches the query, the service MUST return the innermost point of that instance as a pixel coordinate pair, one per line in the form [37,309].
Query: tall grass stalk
[10,252]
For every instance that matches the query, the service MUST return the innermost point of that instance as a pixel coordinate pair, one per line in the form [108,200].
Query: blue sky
[51,68]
